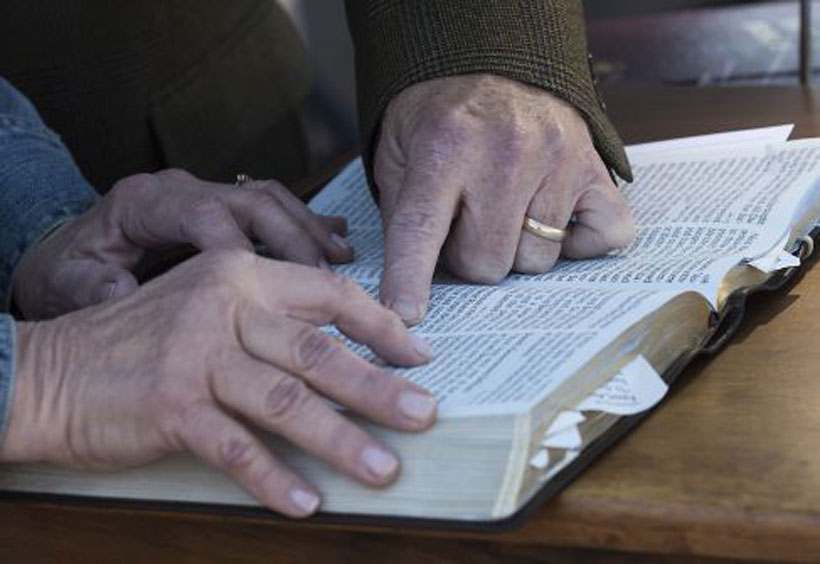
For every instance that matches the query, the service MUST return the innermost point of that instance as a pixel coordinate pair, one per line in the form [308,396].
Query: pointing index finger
[414,236]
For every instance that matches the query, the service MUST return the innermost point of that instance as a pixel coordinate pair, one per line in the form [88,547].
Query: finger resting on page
[331,368]
[603,223]
[284,404]
[481,247]
[223,442]
[335,248]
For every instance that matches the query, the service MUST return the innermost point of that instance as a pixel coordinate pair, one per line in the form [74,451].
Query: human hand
[222,338]
[461,160]
[91,258]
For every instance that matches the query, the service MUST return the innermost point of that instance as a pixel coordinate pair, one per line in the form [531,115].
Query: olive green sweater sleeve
[539,42]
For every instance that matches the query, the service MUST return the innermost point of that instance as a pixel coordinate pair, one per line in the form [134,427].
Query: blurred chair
[701,42]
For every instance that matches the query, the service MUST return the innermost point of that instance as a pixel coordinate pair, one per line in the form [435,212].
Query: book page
[756,136]
[698,214]
[497,349]
[504,348]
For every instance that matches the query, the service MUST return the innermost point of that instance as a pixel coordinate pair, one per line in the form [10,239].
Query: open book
[536,375]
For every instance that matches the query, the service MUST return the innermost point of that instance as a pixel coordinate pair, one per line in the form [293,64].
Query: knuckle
[488,270]
[560,148]
[445,134]
[521,120]
[171,409]
[622,231]
[274,187]
[230,263]
[388,323]
[312,350]
[204,210]
[535,262]
[596,171]
[284,400]
[515,143]
[454,122]
[378,386]
[510,165]
[516,153]
[209,295]
[339,285]
[208,220]
[487,274]
[561,144]
[557,131]
[134,187]
[263,200]
[215,296]
[237,453]
[517,136]
[216,281]
[423,220]
[346,440]
[175,175]
[166,400]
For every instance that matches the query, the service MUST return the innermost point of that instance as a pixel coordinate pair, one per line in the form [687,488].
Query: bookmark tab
[569,439]
[637,387]
[564,420]
[776,260]
[541,459]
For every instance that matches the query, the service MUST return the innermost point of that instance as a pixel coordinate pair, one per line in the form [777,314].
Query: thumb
[88,282]
[602,223]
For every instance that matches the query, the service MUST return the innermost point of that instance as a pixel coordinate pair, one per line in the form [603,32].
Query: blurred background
[691,42]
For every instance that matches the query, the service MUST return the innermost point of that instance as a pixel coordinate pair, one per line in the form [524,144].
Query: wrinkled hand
[459,163]
[222,338]
[91,258]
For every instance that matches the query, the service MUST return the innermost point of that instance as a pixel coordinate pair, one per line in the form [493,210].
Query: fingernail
[422,346]
[108,290]
[306,501]
[417,406]
[324,264]
[379,462]
[409,311]
[339,241]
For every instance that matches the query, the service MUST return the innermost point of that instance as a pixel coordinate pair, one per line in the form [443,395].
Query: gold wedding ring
[241,180]
[544,231]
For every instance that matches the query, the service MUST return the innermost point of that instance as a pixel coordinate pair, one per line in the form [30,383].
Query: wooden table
[728,469]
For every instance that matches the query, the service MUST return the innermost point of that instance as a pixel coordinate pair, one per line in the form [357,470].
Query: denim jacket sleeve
[40,186]
[6,370]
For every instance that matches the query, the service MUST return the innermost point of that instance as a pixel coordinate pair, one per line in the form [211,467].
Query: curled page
[636,388]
